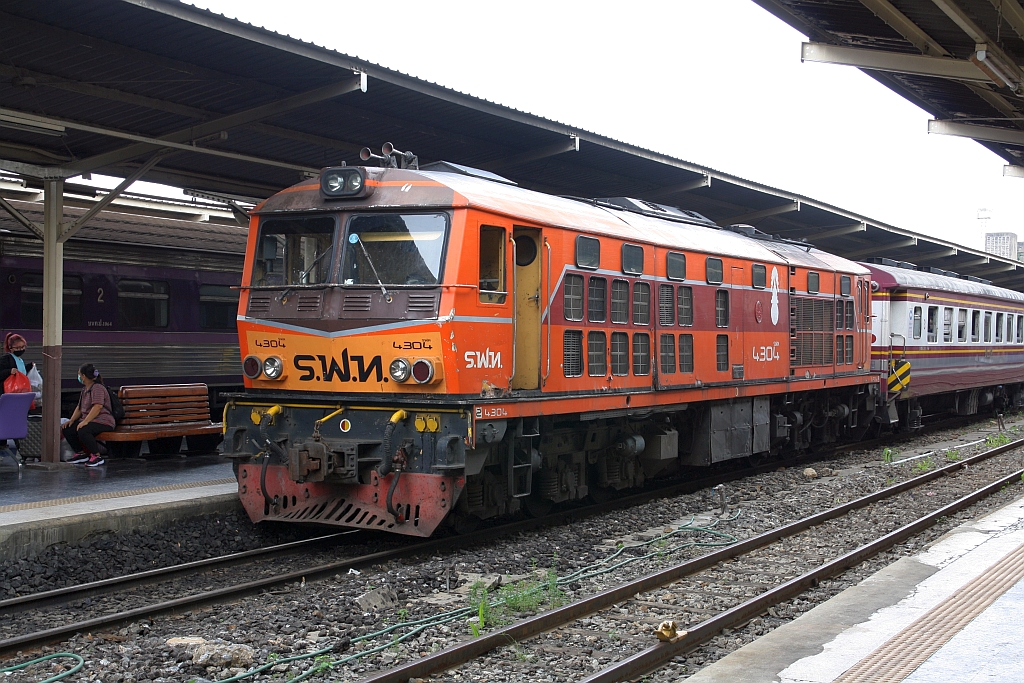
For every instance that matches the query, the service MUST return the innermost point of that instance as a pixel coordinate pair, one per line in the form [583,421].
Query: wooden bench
[162,414]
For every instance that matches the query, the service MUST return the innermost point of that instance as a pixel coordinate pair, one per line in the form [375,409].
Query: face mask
[80,380]
[18,352]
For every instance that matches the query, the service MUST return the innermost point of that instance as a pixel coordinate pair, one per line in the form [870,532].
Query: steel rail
[45,637]
[60,596]
[657,656]
[533,626]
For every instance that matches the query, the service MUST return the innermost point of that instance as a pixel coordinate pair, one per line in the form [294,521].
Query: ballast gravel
[223,641]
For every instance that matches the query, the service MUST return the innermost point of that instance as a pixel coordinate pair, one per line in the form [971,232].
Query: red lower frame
[423,500]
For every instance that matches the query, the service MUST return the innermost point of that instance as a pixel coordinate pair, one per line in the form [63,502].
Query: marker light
[423,371]
[273,367]
[344,182]
[252,367]
[399,370]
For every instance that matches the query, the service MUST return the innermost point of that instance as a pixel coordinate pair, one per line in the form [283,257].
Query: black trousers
[84,439]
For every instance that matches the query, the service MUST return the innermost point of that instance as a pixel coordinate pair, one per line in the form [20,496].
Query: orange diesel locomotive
[439,344]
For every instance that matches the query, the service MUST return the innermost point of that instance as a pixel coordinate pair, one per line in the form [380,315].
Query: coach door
[529,303]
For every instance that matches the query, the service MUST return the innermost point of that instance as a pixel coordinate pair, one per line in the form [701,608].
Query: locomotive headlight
[399,370]
[273,367]
[344,182]
[423,371]
[252,367]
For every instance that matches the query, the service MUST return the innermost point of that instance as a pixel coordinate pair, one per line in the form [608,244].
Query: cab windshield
[294,251]
[394,249]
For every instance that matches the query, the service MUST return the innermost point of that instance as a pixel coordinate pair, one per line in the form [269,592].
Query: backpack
[116,407]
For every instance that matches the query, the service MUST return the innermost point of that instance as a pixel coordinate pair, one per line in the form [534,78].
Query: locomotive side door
[529,303]
[737,322]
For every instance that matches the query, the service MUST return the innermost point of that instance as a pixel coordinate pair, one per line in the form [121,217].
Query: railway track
[650,659]
[40,601]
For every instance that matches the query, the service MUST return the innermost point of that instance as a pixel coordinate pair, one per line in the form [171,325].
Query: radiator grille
[259,305]
[422,303]
[812,322]
[309,303]
[666,305]
[572,353]
[357,302]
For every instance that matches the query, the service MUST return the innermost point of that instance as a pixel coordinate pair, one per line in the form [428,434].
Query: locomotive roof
[890,277]
[403,188]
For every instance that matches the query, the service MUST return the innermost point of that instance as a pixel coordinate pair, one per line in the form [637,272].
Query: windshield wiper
[303,274]
[383,289]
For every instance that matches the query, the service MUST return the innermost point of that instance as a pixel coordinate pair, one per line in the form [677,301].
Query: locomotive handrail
[515,305]
[547,301]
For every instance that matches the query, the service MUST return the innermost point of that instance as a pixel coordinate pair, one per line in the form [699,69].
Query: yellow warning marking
[899,378]
[113,494]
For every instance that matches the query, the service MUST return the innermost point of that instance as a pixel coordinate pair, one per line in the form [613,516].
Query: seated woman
[91,417]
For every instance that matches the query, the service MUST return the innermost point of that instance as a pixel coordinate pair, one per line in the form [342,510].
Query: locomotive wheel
[465,524]
[537,506]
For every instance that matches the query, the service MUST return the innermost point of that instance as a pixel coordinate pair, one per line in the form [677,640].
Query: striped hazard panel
[899,378]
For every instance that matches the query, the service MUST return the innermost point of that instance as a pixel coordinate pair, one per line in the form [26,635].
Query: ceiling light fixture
[1002,74]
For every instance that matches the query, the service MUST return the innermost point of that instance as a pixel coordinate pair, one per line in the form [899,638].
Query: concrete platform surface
[30,485]
[871,621]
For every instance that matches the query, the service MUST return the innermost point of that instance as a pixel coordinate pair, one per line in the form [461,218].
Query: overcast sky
[715,83]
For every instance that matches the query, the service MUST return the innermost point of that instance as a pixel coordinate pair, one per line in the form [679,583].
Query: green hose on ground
[56,655]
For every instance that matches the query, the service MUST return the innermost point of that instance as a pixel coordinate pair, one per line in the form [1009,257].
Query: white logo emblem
[775,296]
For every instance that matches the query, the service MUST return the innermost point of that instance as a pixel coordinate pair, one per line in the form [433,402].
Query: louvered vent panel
[422,303]
[572,352]
[666,305]
[357,302]
[309,302]
[259,305]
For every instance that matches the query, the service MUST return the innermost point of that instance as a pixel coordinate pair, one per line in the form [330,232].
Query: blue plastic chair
[14,416]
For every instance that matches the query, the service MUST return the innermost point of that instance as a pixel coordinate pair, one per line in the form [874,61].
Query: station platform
[39,508]
[953,613]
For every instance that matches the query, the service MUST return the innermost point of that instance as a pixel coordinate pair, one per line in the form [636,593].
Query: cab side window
[933,323]
[492,265]
[917,322]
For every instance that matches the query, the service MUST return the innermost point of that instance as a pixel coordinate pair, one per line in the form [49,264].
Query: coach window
[988,327]
[722,308]
[714,271]
[572,353]
[686,353]
[961,324]
[641,353]
[933,323]
[597,300]
[758,276]
[675,266]
[620,353]
[667,353]
[620,301]
[572,297]
[947,325]
[1020,329]
[218,307]
[1009,328]
[813,283]
[597,348]
[917,322]
[32,300]
[999,327]
[632,259]
[666,305]
[492,265]
[588,252]
[975,326]
[641,303]
[142,303]
[722,353]
[844,285]
[684,306]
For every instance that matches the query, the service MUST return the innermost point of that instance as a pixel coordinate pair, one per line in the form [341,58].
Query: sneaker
[94,461]
[78,458]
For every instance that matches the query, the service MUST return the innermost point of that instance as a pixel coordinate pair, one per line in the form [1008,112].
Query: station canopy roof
[220,106]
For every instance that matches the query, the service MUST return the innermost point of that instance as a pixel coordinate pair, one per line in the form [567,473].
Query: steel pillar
[53,315]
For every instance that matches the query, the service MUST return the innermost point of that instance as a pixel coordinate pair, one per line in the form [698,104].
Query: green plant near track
[888,455]
[953,454]
[923,465]
[997,440]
